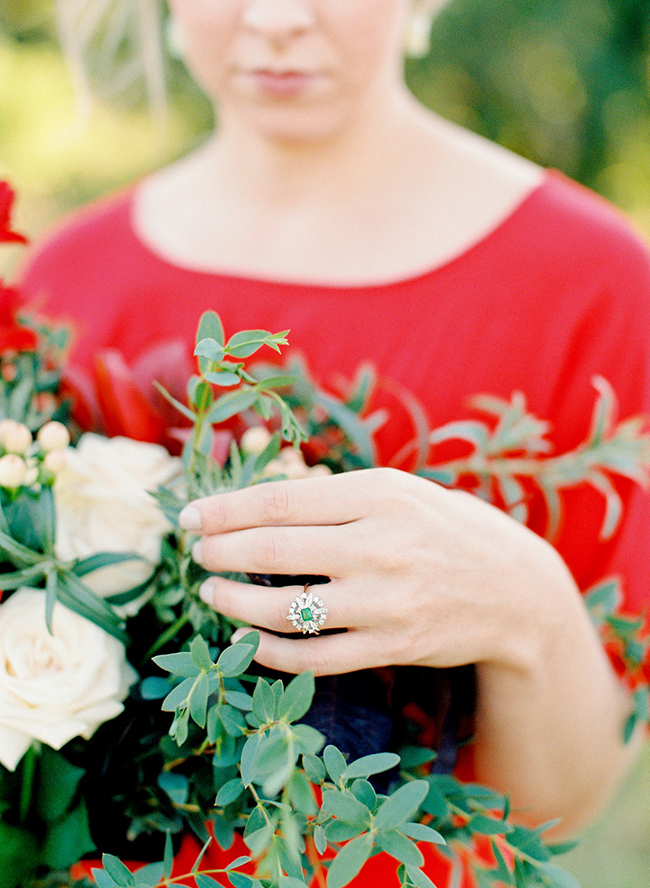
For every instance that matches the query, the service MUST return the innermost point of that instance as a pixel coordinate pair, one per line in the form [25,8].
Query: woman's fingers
[335,499]
[268,607]
[324,551]
[322,655]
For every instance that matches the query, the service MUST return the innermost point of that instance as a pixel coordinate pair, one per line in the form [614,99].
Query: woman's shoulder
[580,228]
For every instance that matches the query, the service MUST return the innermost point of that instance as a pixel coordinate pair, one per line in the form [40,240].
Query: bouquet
[130,725]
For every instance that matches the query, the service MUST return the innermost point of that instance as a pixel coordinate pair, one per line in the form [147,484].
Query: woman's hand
[418,574]
[428,576]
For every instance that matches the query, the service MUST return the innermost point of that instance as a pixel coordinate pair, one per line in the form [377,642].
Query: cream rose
[55,687]
[104,505]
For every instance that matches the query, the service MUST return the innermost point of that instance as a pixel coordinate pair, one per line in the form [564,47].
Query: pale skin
[345,179]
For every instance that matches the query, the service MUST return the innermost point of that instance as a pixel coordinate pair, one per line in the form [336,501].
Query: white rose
[104,505]
[55,687]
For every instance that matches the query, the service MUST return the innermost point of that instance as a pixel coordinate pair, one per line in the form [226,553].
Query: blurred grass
[57,159]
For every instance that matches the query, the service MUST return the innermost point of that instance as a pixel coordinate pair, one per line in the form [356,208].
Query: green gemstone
[306,614]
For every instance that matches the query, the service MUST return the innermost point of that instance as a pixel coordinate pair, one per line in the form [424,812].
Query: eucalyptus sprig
[222,364]
[516,451]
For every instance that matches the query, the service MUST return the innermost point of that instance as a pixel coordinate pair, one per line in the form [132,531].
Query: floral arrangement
[128,722]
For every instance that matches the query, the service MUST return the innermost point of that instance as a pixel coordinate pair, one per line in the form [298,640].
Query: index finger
[335,499]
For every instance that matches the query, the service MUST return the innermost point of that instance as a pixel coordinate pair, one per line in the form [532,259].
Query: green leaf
[297,697]
[291,882]
[241,880]
[257,842]
[200,653]
[275,382]
[223,378]
[401,805]
[246,343]
[422,833]
[301,794]
[371,764]
[236,659]
[229,792]
[102,878]
[308,740]
[210,327]
[58,784]
[200,393]
[78,597]
[400,847]
[209,348]
[365,792]
[153,688]
[168,859]
[151,874]
[489,826]
[104,559]
[117,871]
[334,762]
[314,768]
[175,785]
[199,700]
[320,839]
[248,756]
[69,839]
[178,695]
[264,702]
[239,700]
[238,861]
[232,720]
[529,843]
[204,881]
[418,878]
[338,831]
[178,664]
[343,805]
[348,862]
[19,855]
[15,578]
[231,404]
[19,554]
[415,756]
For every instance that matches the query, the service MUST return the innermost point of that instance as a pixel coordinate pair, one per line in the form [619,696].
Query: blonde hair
[112,45]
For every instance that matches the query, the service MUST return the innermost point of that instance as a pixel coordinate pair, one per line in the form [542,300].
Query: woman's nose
[278,19]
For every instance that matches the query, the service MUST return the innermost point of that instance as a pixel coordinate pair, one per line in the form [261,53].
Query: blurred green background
[564,82]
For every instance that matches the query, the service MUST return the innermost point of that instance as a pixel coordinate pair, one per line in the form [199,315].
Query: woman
[330,202]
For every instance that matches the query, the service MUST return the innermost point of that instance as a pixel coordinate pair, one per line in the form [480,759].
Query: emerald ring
[307,612]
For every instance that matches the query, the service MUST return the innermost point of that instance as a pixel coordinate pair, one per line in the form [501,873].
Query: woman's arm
[422,575]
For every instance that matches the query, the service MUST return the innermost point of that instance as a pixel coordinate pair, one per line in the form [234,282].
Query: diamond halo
[307,612]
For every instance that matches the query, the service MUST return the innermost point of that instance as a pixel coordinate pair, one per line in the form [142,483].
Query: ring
[308,612]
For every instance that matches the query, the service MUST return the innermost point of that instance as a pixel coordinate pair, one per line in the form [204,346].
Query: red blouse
[555,294]
[558,292]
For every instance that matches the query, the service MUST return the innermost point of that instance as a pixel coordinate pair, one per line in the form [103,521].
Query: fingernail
[206,591]
[238,634]
[190,518]
[197,551]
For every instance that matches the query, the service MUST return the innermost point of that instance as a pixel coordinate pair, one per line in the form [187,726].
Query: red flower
[125,410]
[13,335]
[7,235]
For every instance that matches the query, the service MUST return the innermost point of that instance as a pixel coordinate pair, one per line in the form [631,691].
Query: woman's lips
[282,84]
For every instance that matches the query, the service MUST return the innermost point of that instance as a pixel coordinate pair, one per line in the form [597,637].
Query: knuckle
[268,551]
[215,513]
[275,503]
[313,659]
